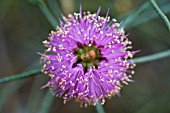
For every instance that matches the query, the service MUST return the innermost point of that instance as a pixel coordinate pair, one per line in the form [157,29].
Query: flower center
[88,56]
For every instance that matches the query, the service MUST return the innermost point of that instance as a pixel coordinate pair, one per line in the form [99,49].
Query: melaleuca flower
[87,58]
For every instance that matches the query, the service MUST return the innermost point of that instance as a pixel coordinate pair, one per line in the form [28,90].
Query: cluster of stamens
[88,56]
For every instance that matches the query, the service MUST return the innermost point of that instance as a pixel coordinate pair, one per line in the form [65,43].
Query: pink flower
[87,58]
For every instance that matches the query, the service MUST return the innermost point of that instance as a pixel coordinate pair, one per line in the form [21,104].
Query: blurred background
[24,24]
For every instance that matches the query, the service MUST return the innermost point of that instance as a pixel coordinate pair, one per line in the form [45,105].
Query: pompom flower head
[87,58]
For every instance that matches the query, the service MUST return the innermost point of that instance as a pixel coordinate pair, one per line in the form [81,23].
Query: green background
[24,24]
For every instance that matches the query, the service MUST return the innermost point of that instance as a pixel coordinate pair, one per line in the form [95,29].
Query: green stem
[7,90]
[47,13]
[55,9]
[99,107]
[20,76]
[47,102]
[160,13]
[143,59]
[134,14]
[35,94]
[149,15]
[152,57]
